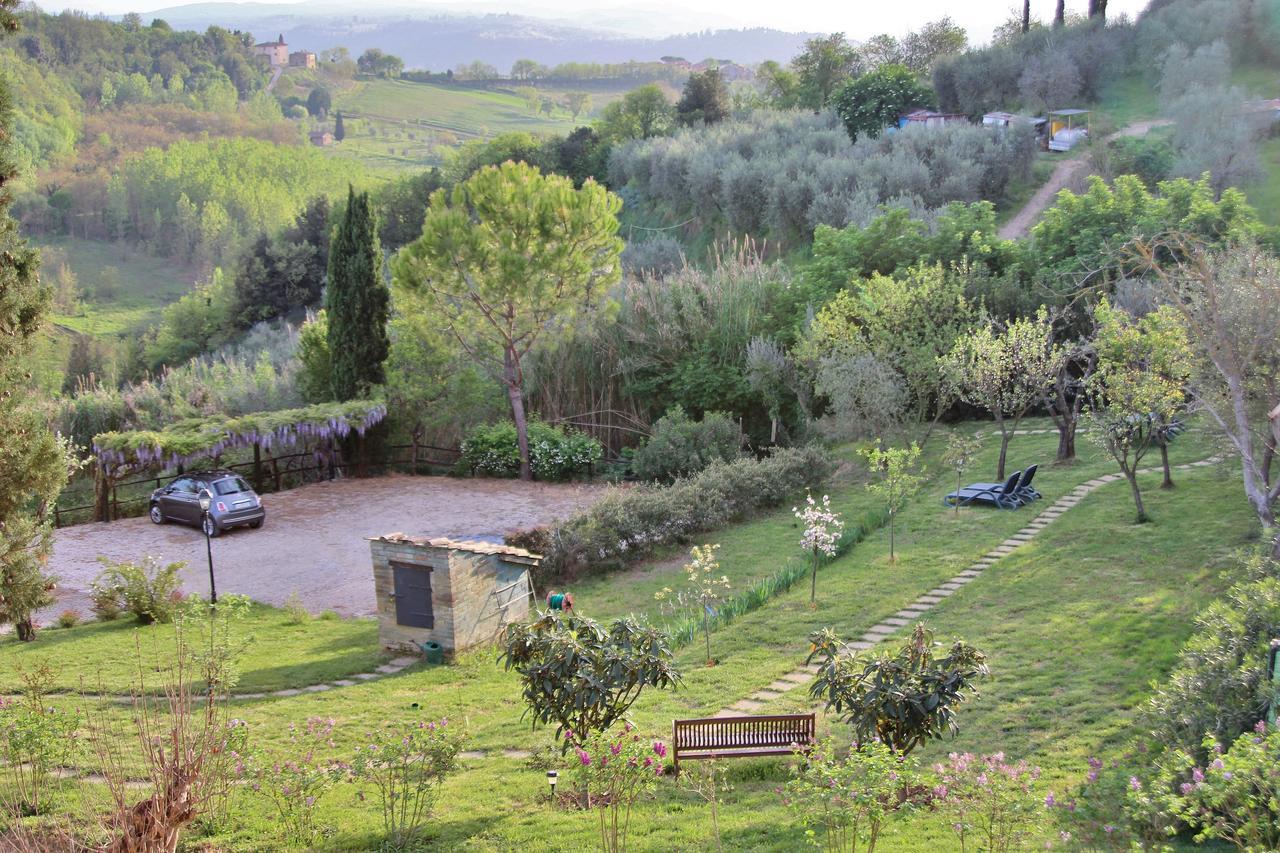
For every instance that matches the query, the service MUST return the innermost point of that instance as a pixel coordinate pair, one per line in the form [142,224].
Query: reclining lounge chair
[1002,495]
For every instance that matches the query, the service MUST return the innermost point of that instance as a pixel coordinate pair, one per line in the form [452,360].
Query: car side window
[185,486]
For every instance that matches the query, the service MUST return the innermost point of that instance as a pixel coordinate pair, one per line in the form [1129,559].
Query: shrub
[295,782]
[295,612]
[1236,797]
[68,619]
[34,739]
[988,799]
[104,601]
[407,764]
[626,524]
[147,589]
[555,454]
[616,768]
[680,446]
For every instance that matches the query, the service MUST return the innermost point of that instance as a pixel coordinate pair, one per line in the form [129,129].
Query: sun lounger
[1003,495]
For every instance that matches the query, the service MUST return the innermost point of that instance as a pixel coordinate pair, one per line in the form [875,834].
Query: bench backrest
[780,731]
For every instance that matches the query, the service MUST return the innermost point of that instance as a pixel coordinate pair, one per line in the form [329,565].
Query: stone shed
[456,593]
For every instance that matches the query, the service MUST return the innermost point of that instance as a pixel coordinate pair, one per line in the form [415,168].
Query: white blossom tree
[822,531]
[703,590]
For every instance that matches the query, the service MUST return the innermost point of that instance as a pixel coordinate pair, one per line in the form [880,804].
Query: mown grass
[1076,625]
[279,653]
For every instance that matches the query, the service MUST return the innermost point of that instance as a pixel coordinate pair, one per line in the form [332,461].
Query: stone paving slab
[471,753]
[909,614]
[798,677]
[951,586]
[781,686]
[897,620]
[516,753]
[289,692]
[318,688]
[344,682]
[930,598]
[388,669]
[940,592]
[971,573]
[881,629]
[747,705]
[365,676]
[764,696]
[403,662]
[963,579]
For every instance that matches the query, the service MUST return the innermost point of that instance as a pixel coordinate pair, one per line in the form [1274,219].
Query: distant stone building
[276,52]
[456,594]
[321,138]
[302,59]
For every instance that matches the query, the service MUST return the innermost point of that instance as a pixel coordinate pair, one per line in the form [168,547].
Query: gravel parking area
[314,540]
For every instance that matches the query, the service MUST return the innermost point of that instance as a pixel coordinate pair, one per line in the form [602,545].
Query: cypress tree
[33,462]
[357,301]
[339,130]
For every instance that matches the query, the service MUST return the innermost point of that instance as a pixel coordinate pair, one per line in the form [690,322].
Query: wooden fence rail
[273,474]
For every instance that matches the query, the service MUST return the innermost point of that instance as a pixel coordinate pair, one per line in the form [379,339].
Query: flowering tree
[703,590]
[903,699]
[616,768]
[1137,387]
[1005,371]
[989,798]
[822,527]
[895,467]
[959,455]
[845,800]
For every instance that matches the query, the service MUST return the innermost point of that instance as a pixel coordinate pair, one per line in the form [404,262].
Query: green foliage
[615,769]
[627,524]
[903,699]
[48,113]
[874,101]
[511,257]
[1149,157]
[844,801]
[702,593]
[278,277]
[990,800]
[1218,685]
[960,453]
[555,454]
[896,477]
[679,446]
[705,99]
[34,463]
[147,589]
[581,676]
[296,778]
[357,303]
[406,764]
[400,204]
[825,63]
[199,322]
[36,738]
[641,113]
[1236,798]
[315,366]
[1079,236]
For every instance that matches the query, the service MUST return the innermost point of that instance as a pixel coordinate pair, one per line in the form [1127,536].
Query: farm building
[931,118]
[321,138]
[1003,120]
[1068,128]
[457,594]
[276,52]
[302,59]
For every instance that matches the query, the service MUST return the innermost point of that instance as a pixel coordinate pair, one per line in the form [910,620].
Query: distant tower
[281,39]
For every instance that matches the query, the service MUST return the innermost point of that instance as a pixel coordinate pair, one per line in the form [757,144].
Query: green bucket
[433,652]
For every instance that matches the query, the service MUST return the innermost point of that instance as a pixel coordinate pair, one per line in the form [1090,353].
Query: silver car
[232,502]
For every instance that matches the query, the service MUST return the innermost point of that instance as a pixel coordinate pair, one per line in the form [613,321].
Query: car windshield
[230,486]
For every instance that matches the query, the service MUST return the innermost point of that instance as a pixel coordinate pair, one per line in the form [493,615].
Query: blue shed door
[413,596]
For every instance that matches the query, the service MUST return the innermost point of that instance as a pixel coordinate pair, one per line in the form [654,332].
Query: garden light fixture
[552,778]
[206,501]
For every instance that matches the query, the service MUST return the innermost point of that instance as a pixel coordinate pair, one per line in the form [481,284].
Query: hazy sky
[857,18]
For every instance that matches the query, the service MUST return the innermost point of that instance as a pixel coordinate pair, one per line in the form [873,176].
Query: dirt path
[1063,176]
[314,539]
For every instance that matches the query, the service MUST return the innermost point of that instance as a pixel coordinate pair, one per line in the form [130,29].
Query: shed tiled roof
[470,545]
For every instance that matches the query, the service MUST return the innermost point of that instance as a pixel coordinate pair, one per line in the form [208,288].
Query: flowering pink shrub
[615,768]
[989,802]
[295,782]
[1117,807]
[1236,796]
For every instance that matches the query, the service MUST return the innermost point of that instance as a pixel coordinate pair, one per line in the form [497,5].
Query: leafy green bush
[681,446]
[555,454]
[628,523]
[148,590]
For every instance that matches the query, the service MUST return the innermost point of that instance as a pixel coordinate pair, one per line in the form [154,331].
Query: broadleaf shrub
[628,523]
[555,454]
[147,589]
[680,446]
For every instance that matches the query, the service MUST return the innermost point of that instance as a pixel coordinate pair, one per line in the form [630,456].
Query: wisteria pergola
[183,442]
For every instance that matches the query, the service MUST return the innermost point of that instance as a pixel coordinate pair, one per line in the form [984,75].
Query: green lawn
[1076,625]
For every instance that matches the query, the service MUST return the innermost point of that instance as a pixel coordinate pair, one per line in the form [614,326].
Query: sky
[858,19]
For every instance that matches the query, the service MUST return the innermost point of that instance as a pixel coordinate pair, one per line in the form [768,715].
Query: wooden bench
[740,737]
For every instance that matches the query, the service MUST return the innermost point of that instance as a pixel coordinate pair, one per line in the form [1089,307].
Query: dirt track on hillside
[314,540]
[1063,177]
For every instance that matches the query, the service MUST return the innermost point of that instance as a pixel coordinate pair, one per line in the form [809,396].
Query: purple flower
[1261,727]
[1186,788]
[1197,775]
[1217,764]
[1095,763]
[616,748]
[1050,801]
[660,749]
[1108,829]
[1134,784]
[1227,775]
[584,758]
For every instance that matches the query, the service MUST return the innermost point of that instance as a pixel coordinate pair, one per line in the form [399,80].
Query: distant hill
[442,41]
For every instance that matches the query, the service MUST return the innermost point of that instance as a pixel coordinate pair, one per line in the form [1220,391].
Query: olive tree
[903,699]
[511,257]
[1005,371]
[581,676]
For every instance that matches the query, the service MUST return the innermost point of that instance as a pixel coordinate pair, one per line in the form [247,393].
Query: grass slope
[1076,624]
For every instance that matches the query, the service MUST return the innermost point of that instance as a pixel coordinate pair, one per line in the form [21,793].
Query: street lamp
[552,778]
[206,501]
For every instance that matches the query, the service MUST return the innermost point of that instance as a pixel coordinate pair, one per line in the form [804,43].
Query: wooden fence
[273,474]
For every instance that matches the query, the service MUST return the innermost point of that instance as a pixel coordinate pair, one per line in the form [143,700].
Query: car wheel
[256,524]
[157,517]
[210,526]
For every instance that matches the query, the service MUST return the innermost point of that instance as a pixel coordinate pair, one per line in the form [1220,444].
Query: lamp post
[206,501]
[552,778]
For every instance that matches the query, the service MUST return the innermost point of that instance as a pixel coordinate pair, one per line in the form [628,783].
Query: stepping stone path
[889,626]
